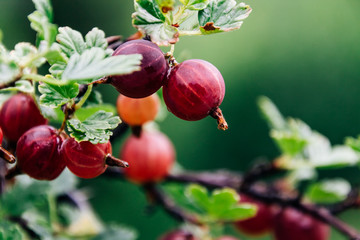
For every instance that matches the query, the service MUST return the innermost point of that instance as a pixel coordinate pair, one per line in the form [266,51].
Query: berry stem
[13,172]
[85,97]
[115,162]
[4,154]
[136,130]
[217,114]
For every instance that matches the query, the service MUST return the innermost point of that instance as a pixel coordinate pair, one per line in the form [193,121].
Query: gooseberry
[150,156]
[195,89]
[178,235]
[153,71]
[18,114]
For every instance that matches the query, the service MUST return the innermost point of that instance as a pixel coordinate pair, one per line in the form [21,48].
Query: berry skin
[194,89]
[39,153]
[150,156]
[153,71]
[136,112]
[295,225]
[84,159]
[1,136]
[178,235]
[18,114]
[261,223]
[227,238]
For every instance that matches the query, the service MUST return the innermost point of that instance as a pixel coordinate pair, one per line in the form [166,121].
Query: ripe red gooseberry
[87,160]
[195,89]
[178,235]
[261,223]
[18,114]
[153,71]
[38,153]
[150,156]
[227,238]
[137,111]
[1,136]
[295,225]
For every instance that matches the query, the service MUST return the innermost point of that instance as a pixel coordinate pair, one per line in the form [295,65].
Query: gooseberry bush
[56,129]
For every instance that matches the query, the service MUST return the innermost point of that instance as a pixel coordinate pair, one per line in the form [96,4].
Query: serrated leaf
[223,199]
[57,70]
[149,19]
[45,8]
[222,16]
[93,64]
[85,112]
[23,53]
[117,232]
[195,4]
[328,191]
[22,86]
[198,195]
[9,71]
[96,38]
[71,41]
[55,56]
[96,129]
[55,95]
[45,29]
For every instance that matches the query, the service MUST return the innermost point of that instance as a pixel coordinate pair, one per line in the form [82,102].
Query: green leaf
[85,112]
[354,143]
[328,191]
[45,8]
[198,195]
[22,86]
[96,128]
[149,19]
[46,31]
[95,98]
[10,231]
[195,4]
[55,95]
[271,113]
[240,212]
[71,41]
[93,64]
[57,70]
[55,55]
[223,199]
[23,53]
[288,142]
[117,232]
[222,16]
[9,71]
[39,223]
[96,38]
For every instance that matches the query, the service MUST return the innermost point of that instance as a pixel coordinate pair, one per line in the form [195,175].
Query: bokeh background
[304,55]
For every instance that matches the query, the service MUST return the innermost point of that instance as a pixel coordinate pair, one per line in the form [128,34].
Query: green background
[304,55]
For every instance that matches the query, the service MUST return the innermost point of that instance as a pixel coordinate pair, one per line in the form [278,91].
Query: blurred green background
[304,55]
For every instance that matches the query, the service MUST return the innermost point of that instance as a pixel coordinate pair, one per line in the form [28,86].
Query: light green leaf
[10,231]
[23,53]
[223,199]
[9,71]
[92,65]
[71,41]
[45,8]
[198,195]
[57,70]
[195,4]
[239,212]
[22,86]
[117,232]
[149,19]
[222,16]
[85,112]
[288,142]
[354,143]
[271,113]
[328,191]
[44,28]
[96,129]
[55,95]
[55,56]
[96,38]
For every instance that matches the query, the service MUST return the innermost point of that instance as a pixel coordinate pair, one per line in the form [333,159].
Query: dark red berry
[194,89]
[1,136]
[227,238]
[18,114]
[150,156]
[153,71]
[261,223]
[295,225]
[38,153]
[178,235]
[87,160]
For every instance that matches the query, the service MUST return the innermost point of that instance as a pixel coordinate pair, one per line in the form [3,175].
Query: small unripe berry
[137,111]
[18,114]
[194,89]
[295,225]
[261,223]
[150,156]
[38,153]
[178,235]
[153,71]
